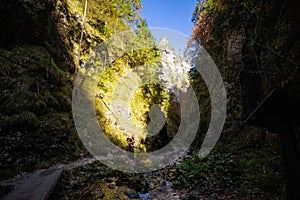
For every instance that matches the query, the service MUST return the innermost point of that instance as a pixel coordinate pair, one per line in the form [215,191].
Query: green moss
[88,181]
[41,41]
[244,167]
[35,113]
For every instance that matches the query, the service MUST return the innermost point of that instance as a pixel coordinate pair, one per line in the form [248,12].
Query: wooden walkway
[39,185]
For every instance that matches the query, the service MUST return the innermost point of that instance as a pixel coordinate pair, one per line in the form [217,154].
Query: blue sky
[171,14]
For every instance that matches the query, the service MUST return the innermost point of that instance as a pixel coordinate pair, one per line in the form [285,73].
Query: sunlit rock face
[174,71]
[129,108]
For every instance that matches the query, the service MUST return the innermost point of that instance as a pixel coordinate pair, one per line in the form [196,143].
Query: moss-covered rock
[39,43]
[97,181]
[36,123]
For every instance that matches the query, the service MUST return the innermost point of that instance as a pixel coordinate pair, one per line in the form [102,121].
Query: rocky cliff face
[173,73]
[254,48]
[174,70]
[39,49]
[138,112]
[36,128]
